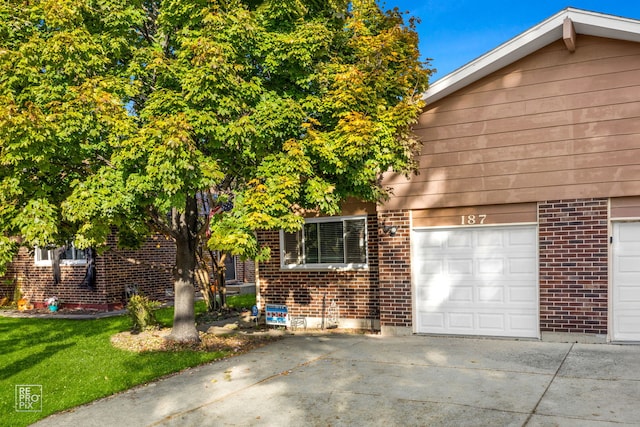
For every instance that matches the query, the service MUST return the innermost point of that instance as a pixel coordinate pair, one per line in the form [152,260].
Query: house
[524,220]
[118,274]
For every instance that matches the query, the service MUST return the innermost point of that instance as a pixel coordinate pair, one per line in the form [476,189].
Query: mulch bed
[156,340]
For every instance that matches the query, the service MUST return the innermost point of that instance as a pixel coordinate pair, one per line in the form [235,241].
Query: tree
[134,115]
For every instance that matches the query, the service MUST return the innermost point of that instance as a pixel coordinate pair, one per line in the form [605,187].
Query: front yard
[72,362]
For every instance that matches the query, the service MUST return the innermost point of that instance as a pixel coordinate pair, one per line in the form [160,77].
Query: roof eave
[548,31]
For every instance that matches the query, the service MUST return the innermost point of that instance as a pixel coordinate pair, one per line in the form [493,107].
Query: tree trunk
[184,322]
[204,282]
[222,273]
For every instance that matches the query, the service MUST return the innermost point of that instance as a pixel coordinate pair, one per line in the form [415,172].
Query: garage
[476,281]
[625,298]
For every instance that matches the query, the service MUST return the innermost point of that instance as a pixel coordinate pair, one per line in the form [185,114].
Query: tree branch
[160,224]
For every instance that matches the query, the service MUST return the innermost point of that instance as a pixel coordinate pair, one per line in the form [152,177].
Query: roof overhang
[548,31]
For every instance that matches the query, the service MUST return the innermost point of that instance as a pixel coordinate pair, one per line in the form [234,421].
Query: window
[326,243]
[70,255]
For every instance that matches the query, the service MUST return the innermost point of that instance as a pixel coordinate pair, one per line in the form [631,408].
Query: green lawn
[241,301]
[75,363]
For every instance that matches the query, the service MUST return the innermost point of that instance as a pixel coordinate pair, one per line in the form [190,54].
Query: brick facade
[573,272]
[245,271]
[573,243]
[149,268]
[395,271]
[309,293]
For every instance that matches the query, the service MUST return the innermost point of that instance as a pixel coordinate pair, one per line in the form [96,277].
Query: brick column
[394,255]
[573,266]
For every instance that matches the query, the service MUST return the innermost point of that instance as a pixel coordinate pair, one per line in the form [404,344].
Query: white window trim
[39,262]
[328,266]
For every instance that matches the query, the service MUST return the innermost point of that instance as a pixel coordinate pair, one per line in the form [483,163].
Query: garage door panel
[490,294]
[522,238]
[434,240]
[629,264]
[625,298]
[476,281]
[460,320]
[432,320]
[430,267]
[522,294]
[626,328]
[628,322]
[523,265]
[458,241]
[461,294]
[460,266]
[523,322]
[628,294]
[490,266]
[631,235]
[491,323]
[490,239]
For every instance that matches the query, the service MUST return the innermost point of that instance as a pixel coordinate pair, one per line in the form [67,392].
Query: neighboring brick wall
[246,271]
[305,292]
[573,265]
[113,273]
[395,270]
[36,282]
[150,268]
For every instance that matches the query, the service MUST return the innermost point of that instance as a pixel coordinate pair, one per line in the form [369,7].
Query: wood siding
[476,215]
[625,208]
[553,125]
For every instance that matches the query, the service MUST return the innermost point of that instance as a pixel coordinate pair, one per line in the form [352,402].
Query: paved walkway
[358,380]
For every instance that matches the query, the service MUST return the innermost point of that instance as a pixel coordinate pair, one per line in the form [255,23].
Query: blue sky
[453,33]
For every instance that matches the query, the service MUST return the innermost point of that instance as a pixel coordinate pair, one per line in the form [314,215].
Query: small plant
[141,310]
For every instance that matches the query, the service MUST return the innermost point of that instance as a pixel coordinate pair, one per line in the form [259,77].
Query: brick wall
[246,271]
[573,243]
[395,270]
[113,274]
[36,282]
[309,293]
[149,268]
[573,262]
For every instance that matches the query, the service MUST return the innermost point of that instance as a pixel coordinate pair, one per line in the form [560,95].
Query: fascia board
[601,25]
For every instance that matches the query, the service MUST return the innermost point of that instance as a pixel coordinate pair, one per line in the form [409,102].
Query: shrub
[141,310]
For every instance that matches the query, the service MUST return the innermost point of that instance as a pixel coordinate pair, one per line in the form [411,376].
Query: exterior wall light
[390,230]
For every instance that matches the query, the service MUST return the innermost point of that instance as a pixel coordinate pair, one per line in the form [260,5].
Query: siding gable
[552,125]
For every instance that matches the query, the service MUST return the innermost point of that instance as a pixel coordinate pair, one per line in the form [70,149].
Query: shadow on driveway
[337,380]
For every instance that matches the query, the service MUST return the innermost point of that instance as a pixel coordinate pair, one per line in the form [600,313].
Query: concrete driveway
[353,380]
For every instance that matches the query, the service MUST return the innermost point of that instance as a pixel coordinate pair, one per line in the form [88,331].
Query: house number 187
[473,219]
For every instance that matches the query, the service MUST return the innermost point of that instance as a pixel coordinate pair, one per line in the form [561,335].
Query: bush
[141,310]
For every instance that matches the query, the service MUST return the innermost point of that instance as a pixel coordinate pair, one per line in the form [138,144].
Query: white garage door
[625,296]
[476,281]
